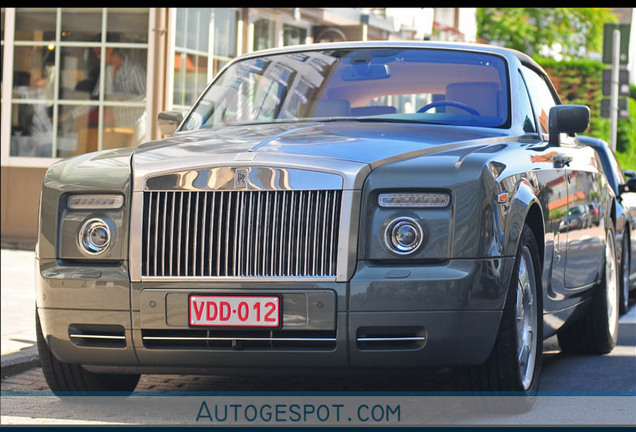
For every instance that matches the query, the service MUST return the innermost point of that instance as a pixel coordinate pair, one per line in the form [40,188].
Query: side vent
[97,335]
[391,338]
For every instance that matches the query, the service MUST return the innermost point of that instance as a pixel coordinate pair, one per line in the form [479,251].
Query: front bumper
[386,316]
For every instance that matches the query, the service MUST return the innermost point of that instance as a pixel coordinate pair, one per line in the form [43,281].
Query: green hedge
[581,82]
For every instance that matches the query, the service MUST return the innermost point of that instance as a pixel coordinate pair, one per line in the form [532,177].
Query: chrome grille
[240,233]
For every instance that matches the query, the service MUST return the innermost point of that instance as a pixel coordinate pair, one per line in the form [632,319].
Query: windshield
[400,85]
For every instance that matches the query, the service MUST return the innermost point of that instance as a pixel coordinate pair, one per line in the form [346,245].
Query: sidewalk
[17,290]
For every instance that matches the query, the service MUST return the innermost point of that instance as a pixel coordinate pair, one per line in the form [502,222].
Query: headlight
[95,202]
[94,236]
[415,200]
[403,235]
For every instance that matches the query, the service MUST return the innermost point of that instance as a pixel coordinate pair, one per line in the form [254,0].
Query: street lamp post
[614,88]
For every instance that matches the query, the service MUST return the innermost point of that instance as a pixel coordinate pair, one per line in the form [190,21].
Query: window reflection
[77,134]
[34,72]
[263,34]
[35,24]
[131,25]
[80,24]
[293,35]
[79,75]
[31,129]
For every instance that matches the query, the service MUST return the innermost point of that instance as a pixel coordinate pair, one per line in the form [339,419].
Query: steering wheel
[455,104]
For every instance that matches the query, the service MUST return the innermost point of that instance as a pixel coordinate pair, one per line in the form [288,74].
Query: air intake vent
[240,233]
[391,338]
[240,339]
[97,335]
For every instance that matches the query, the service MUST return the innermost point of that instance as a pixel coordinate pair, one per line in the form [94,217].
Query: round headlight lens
[94,236]
[403,236]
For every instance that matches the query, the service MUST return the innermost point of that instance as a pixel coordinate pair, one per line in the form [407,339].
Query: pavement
[19,350]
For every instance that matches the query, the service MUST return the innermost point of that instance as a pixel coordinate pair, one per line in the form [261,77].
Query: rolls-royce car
[367,206]
[625,218]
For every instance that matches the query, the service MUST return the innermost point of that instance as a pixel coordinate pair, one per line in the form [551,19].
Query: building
[78,80]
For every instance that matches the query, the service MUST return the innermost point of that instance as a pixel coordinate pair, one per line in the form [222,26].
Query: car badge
[240,178]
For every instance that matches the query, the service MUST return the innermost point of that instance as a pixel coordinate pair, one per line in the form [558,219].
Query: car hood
[315,145]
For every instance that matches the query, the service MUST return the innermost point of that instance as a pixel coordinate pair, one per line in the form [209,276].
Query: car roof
[460,46]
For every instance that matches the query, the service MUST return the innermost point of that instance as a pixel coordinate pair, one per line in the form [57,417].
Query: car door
[553,194]
[585,239]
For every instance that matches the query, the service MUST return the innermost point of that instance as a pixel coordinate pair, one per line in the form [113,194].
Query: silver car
[369,206]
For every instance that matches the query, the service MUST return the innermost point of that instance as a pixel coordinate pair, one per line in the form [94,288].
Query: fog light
[94,237]
[403,235]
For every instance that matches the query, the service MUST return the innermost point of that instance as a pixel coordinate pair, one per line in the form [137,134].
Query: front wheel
[514,363]
[67,379]
[597,331]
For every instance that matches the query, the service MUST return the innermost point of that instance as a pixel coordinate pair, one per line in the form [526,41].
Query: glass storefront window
[77,130]
[131,25]
[264,36]
[67,101]
[34,72]
[79,73]
[125,78]
[225,32]
[80,24]
[293,35]
[35,24]
[31,129]
[191,56]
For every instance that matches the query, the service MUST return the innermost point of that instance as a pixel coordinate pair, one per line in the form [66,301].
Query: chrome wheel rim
[526,313]
[611,286]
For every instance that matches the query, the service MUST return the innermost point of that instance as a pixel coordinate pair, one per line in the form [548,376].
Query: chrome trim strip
[238,279]
[195,234]
[347,234]
[211,245]
[392,339]
[248,246]
[163,237]
[227,229]
[204,246]
[262,178]
[156,231]
[280,339]
[180,195]
[148,242]
[218,239]
[174,197]
[275,238]
[89,336]
[187,235]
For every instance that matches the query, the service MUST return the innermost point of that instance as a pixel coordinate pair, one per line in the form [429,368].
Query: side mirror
[630,186]
[567,119]
[169,121]
[629,173]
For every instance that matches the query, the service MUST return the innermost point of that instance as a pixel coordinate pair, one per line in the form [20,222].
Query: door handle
[561,160]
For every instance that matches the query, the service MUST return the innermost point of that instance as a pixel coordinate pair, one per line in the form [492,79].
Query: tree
[576,30]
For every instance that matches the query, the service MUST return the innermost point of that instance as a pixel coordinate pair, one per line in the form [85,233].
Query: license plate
[234,311]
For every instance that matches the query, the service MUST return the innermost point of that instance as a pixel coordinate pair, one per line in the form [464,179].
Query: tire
[520,330]
[67,379]
[623,301]
[597,331]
